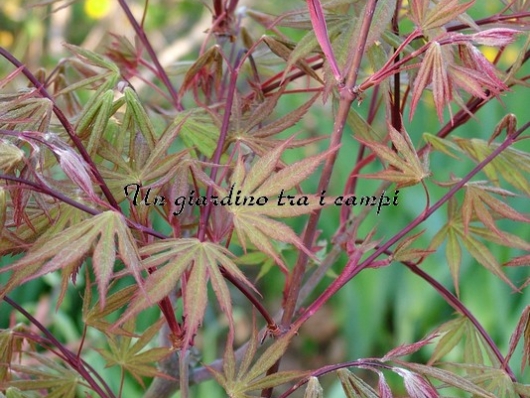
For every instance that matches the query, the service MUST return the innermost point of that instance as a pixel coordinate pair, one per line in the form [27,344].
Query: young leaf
[452,333]
[319,25]
[440,374]
[444,12]
[522,330]
[512,164]
[93,58]
[432,70]
[442,145]
[73,244]
[313,389]
[139,116]
[404,253]
[10,156]
[132,357]
[251,221]
[46,374]
[355,387]
[416,385]
[481,253]
[284,51]
[405,169]
[173,257]
[251,379]
[475,202]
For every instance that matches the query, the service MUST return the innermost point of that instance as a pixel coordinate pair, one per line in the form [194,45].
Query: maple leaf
[253,132]
[252,222]
[249,377]
[512,164]
[203,262]
[475,202]
[417,385]
[132,356]
[473,73]
[458,234]
[405,169]
[321,31]
[404,253]
[67,249]
[522,330]
[354,386]
[45,374]
[433,69]
[11,342]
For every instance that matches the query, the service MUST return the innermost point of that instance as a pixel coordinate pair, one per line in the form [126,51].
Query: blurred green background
[379,309]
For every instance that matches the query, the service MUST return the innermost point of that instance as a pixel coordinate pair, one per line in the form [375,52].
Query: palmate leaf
[132,356]
[48,375]
[451,333]
[416,377]
[405,253]
[406,168]
[97,235]
[26,112]
[480,204]
[444,12]
[11,342]
[251,377]
[252,222]
[513,165]
[461,331]
[355,387]
[459,233]
[172,258]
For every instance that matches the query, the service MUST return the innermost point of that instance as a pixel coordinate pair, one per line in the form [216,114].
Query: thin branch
[152,54]
[349,272]
[71,358]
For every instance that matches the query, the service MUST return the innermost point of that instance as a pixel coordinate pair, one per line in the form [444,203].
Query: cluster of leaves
[93,186]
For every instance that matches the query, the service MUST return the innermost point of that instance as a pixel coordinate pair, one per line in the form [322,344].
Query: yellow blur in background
[97,9]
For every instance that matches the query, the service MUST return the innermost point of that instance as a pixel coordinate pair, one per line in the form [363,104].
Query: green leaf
[10,155]
[404,253]
[140,117]
[452,333]
[453,253]
[101,119]
[93,58]
[196,296]
[484,256]
[73,244]
[442,145]
[444,12]
[170,259]
[355,387]
[251,221]
[133,357]
[250,378]
[200,132]
[269,357]
[405,169]
[512,164]
[447,377]
[46,374]
[313,389]
[284,51]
